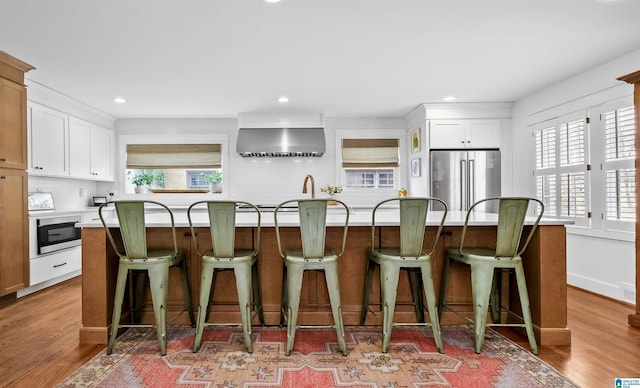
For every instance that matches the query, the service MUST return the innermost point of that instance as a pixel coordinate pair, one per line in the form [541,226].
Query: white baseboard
[48,283]
[623,292]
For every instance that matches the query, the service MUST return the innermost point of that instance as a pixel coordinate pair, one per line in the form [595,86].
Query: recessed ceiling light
[449,98]
[119,100]
[272,1]
[283,99]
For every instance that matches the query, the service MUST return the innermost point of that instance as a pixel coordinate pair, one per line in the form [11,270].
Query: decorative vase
[216,187]
[141,189]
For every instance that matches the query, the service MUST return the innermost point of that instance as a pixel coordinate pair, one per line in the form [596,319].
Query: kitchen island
[544,261]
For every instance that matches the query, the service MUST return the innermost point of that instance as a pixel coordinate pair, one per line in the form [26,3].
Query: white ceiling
[216,58]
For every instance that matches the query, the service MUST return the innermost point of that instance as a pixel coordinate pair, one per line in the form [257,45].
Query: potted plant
[333,191]
[143,180]
[215,179]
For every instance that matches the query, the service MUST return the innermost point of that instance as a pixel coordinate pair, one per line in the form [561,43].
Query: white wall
[417,120]
[597,259]
[259,180]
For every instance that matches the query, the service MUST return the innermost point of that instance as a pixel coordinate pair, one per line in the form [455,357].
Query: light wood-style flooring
[39,339]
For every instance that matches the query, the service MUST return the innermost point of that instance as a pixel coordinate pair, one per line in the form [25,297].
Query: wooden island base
[545,267]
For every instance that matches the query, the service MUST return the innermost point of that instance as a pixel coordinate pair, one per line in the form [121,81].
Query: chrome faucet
[313,186]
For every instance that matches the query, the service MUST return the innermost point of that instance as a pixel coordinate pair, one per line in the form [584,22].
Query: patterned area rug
[222,361]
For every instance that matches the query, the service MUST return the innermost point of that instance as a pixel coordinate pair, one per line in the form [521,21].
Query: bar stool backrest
[222,225]
[413,218]
[512,212]
[313,221]
[132,222]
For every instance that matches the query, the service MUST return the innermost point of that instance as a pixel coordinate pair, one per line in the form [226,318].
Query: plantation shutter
[545,139]
[546,148]
[159,156]
[370,153]
[573,178]
[572,143]
[561,166]
[619,171]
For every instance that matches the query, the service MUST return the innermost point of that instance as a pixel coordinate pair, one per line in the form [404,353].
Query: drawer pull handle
[59,265]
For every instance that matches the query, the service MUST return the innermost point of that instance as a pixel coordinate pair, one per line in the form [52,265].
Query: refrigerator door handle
[463,185]
[471,192]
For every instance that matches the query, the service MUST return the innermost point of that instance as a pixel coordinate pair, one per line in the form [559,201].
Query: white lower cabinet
[47,267]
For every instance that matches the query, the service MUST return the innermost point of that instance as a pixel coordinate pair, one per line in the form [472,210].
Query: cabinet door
[49,131]
[14,243]
[79,148]
[483,134]
[90,150]
[101,153]
[447,134]
[472,133]
[13,126]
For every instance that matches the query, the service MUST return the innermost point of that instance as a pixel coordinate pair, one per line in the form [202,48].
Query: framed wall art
[415,167]
[415,140]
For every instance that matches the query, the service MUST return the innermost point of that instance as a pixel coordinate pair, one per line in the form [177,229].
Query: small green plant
[331,190]
[146,178]
[214,176]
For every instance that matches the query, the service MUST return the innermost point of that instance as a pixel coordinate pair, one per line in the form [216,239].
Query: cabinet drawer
[47,267]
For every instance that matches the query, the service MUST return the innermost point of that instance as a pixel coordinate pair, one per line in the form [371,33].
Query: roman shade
[370,153]
[159,156]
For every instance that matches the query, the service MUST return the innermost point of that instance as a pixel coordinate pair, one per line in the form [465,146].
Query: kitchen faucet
[313,186]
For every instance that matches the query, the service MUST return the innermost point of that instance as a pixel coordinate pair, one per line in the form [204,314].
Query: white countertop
[63,212]
[335,217]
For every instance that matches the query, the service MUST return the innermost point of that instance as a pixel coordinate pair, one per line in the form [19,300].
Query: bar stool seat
[313,256]
[154,262]
[225,256]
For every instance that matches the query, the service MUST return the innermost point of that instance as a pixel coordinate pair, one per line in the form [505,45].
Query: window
[618,165]
[370,163]
[197,179]
[174,166]
[562,167]
[370,178]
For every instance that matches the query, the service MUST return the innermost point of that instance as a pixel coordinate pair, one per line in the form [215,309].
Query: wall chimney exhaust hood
[281,142]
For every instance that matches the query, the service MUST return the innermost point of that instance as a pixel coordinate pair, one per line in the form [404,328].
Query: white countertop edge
[360,217]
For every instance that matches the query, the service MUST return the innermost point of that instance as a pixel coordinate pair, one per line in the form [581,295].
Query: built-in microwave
[56,233]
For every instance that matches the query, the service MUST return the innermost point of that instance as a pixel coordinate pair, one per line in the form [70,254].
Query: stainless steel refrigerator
[462,177]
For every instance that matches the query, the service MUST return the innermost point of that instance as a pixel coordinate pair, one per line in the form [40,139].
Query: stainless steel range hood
[280,142]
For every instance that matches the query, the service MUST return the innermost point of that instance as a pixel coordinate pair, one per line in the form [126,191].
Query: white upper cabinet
[67,147]
[464,133]
[48,135]
[90,150]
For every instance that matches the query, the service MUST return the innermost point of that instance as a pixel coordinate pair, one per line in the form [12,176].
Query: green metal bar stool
[487,264]
[223,257]
[137,257]
[409,255]
[314,255]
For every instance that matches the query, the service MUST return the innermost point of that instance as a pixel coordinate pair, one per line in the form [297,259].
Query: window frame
[561,171]
[124,140]
[400,172]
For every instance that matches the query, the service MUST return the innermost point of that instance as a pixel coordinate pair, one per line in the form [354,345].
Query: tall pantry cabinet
[14,232]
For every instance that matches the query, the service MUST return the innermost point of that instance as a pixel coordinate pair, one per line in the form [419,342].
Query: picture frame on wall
[415,167]
[415,140]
